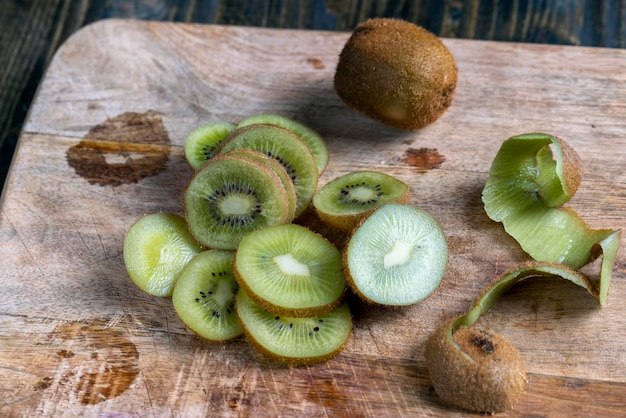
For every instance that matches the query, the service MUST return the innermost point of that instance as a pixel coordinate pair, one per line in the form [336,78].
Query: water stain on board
[423,159]
[122,150]
[316,63]
[90,378]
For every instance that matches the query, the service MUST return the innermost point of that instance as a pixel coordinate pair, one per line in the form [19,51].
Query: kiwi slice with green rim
[156,248]
[316,143]
[230,197]
[295,341]
[345,201]
[397,256]
[201,144]
[204,296]
[290,270]
[290,188]
[284,146]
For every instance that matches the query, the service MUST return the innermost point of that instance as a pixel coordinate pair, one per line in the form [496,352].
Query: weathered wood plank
[77,337]
[32,31]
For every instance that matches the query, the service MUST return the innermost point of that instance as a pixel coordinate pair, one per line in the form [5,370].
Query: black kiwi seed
[283,146]
[343,202]
[234,220]
[289,168]
[208,280]
[294,341]
[201,144]
[208,152]
[346,197]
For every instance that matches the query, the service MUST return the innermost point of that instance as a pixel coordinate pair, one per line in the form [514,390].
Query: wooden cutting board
[103,146]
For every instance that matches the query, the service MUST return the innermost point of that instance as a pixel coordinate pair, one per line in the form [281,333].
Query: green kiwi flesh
[230,197]
[204,296]
[397,73]
[315,142]
[202,142]
[284,146]
[156,248]
[295,341]
[290,270]
[346,200]
[280,171]
[397,256]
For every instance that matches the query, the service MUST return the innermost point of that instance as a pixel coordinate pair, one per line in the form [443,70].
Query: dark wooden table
[32,30]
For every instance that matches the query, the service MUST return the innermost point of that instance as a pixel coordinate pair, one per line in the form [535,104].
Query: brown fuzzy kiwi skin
[572,166]
[350,281]
[351,284]
[283,311]
[291,361]
[397,73]
[479,371]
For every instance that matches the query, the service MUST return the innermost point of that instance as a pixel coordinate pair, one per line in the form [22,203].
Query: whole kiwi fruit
[397,73]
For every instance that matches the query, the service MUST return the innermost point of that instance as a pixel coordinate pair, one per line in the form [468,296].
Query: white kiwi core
[362,193]
[235,205]
[224,293]
[288,264]
[399,255]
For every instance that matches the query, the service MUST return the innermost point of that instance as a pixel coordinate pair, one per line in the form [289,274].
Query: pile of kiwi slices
[245,259]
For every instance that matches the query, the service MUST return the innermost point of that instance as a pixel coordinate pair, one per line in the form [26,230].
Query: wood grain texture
[78,338]
[32,31]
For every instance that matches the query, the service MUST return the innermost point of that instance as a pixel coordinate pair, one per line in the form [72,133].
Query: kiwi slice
[204,296]
[156,248]
[397,73]
[309,136]
[230,197]
[284,146]
[290,188]
[397,256]
[202,142]
[295,341]
[290,270]
[345,201]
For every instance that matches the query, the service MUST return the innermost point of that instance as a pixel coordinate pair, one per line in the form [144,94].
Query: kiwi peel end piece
[397,73]
[315,142]
[479,370]
[345,201]
[531,176]
[204,296]
[294,341]
[291,271]
[202,143]
[156,248]
[230,197]
[397,256]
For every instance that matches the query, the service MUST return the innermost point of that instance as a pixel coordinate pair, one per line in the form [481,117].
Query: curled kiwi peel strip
[492,378]
[533,269]
[530,178]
